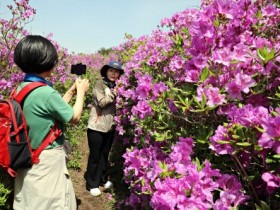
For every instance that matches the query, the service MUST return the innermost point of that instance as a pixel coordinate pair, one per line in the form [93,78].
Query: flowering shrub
[198,109]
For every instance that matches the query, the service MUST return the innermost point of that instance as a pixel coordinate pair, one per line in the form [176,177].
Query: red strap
[25,91]
[51,136]
[12,172]
[19,98]
[14,121]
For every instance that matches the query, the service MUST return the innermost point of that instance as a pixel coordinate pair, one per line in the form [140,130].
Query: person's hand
[82,85]
[115,90]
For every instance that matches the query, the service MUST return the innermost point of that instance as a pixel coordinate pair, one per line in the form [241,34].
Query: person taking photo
[45,185]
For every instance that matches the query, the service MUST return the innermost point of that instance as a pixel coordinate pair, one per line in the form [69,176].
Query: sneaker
[108,185]
[95,192]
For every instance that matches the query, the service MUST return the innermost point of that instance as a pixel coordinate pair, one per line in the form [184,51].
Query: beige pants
[46,186]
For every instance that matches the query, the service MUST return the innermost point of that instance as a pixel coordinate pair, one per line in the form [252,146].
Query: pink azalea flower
[242,83]
[142,92]
[214,97]
[191,76]
[221,135]
[176,63]
[272,181]
[142,110]
[222,56]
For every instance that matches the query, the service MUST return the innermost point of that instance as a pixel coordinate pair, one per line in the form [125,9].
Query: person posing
[101,128]
[45,185]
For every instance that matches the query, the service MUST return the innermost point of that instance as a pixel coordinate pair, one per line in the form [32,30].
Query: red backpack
[15,148]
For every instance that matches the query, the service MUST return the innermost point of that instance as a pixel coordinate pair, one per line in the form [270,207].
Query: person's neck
[43,75]
[37,78]
[110,84]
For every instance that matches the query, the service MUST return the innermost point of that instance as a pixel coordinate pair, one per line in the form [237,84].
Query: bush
[198,109]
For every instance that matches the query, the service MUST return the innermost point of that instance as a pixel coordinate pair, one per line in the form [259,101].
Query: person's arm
[81,86]
[69,94]
[103,97]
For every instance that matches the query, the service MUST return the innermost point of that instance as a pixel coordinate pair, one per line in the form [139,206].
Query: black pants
[99,148]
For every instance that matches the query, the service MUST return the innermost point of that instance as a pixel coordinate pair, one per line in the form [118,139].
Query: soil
[109,199]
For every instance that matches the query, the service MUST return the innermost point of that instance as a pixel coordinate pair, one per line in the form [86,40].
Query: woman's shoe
[108,185]
[95,192]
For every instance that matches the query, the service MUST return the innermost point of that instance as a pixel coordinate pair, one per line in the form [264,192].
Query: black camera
[78,69]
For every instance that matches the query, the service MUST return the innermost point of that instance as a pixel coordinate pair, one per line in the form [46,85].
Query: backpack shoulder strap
[49,139]
[25,91]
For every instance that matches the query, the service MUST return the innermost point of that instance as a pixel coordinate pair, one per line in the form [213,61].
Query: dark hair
[35,54]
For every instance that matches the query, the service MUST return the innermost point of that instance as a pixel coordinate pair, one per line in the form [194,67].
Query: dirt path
[85,200]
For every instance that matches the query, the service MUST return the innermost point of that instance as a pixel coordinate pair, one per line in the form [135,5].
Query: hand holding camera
[82,85]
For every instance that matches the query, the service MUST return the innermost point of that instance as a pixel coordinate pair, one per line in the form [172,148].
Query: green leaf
[196,101]
[261,54]
[216,22]
[277,156]
[259,14]
[266,55]
[278,95]
[181,100]
[204,74]
[270,55]
[235,136]
[244,144]
[268,160]
[223,142]
[203,101]
[197,161]
[260,129]
[263,206]
[142,182]
[201,141]
[257,207]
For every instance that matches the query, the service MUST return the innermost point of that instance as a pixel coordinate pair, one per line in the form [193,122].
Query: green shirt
[42,107]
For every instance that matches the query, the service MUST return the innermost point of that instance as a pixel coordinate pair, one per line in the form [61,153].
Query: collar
[35,78]
[109,83]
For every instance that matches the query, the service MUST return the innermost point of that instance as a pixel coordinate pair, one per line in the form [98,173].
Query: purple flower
[221,135]
[273,127]
[142,110]
[230,194]
[142,92]
[242,83]
[191,76]
[272,181]
[222,56]
[214,97]
[234,90]
[157,89]
[171,105]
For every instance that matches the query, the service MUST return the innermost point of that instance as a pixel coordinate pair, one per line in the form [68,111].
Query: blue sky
[85,26]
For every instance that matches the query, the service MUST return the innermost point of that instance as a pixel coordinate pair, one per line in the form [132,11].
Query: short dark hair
[35,54]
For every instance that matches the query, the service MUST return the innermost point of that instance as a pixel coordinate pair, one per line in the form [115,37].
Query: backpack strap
[50,137]
[25,91]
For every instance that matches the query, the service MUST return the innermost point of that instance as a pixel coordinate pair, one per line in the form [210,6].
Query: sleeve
[58,108]
[102,96]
